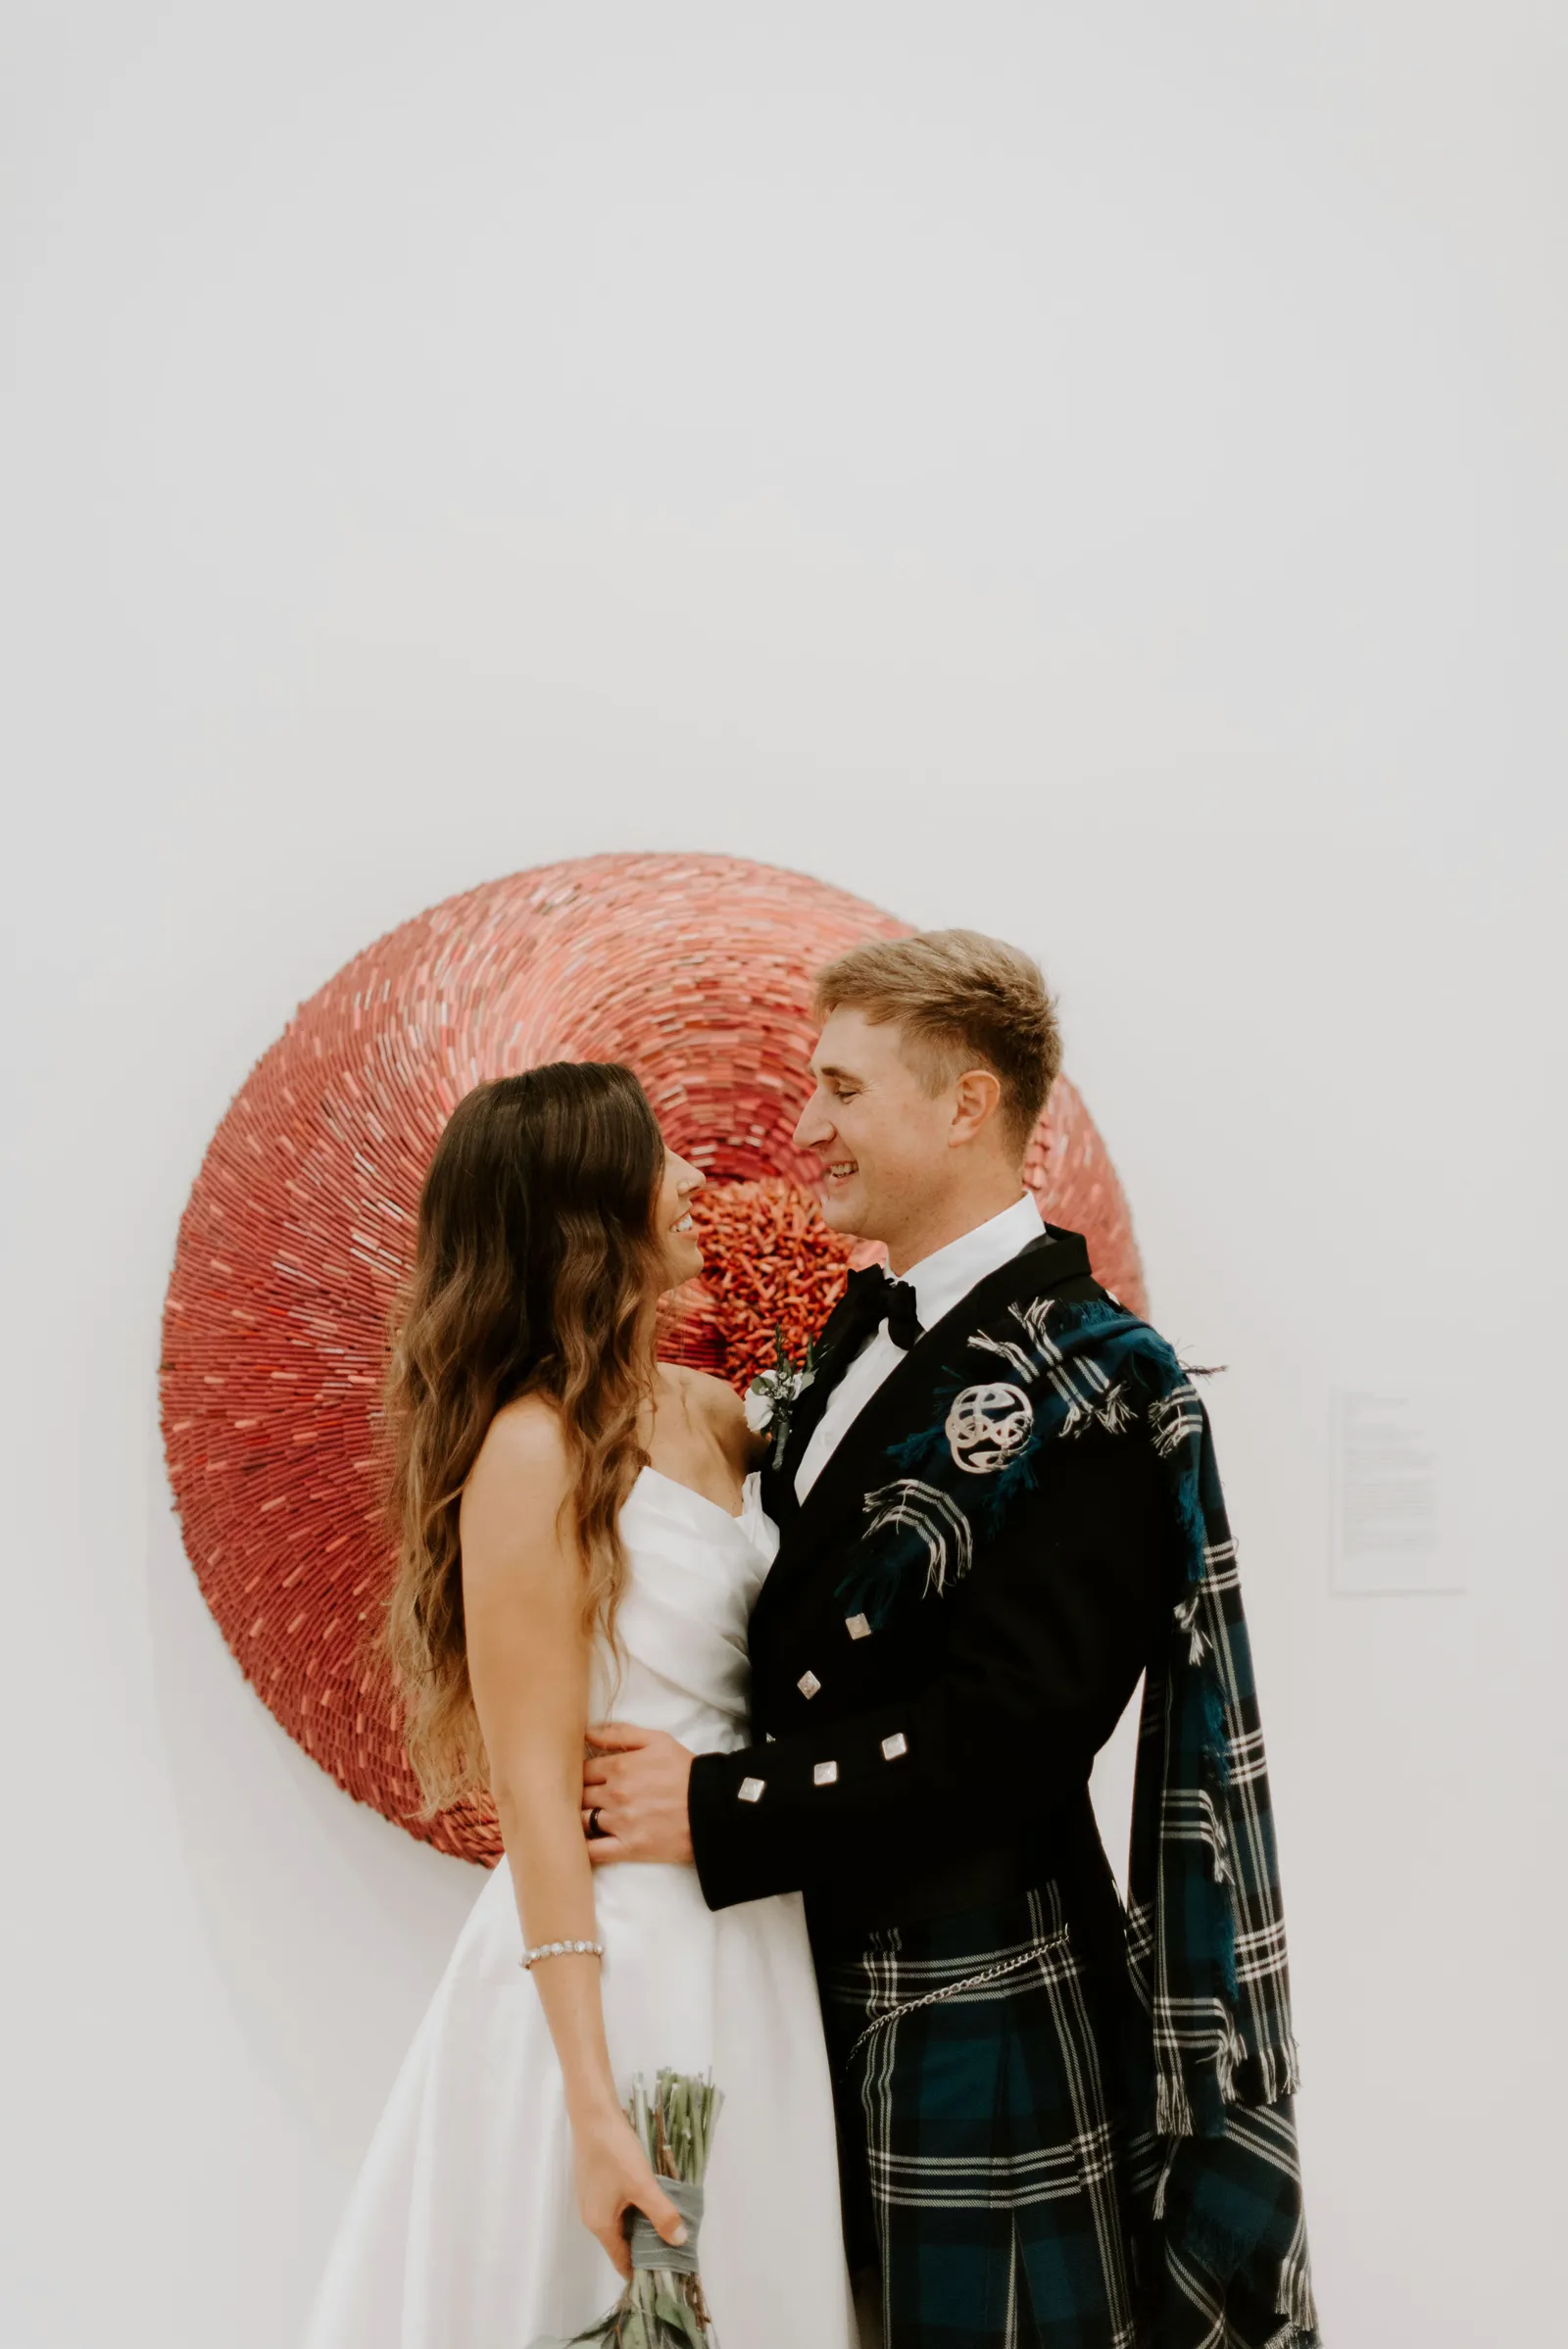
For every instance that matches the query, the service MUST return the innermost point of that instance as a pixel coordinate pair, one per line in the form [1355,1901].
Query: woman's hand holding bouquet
[614,2176]
[665,2146]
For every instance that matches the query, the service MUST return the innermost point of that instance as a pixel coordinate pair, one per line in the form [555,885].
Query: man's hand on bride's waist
[634,1788]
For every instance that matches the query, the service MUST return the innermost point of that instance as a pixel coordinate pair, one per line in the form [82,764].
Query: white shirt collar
[940,1279]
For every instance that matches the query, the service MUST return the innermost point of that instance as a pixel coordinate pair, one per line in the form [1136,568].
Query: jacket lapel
[1046,1263]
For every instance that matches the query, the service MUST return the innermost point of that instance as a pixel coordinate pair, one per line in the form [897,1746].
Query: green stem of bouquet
[676,2131]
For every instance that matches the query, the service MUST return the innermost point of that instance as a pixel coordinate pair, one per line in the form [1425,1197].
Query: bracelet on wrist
[549,1950]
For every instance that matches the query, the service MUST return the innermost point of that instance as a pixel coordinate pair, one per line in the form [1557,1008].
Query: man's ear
[976,1098]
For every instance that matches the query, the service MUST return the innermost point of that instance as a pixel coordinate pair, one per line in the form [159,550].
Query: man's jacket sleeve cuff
[742,1850]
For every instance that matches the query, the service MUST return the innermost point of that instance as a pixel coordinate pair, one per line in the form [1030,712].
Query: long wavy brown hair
[534,1273]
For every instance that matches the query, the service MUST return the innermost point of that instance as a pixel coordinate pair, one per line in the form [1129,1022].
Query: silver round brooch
[988,1426]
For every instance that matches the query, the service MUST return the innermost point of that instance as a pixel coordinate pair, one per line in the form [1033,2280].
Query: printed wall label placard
[1393,1525]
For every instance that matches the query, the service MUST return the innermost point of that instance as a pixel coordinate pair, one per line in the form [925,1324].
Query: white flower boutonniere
[772,1395]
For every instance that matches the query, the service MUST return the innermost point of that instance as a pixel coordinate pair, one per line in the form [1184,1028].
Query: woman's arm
[528,1663]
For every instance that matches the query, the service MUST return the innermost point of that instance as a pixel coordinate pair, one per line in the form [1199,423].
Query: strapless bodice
[693,1574]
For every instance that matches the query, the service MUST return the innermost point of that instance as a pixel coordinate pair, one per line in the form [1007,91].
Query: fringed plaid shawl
[1205,1923]
[1215,2168]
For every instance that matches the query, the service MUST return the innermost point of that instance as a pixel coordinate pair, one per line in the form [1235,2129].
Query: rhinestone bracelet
[532,1957]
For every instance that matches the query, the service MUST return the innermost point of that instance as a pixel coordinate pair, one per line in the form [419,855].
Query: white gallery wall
[1098,473]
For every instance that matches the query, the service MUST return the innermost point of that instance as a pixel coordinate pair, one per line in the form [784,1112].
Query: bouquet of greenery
[663,2305]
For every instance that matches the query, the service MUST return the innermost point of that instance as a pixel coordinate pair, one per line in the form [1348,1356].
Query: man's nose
[812,1128]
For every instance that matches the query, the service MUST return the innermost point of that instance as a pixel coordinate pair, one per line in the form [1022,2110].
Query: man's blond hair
[960,1000]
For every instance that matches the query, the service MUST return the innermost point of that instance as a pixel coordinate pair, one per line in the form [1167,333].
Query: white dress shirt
[939,1282]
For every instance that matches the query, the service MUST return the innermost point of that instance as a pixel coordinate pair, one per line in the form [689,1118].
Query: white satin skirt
[462,2232]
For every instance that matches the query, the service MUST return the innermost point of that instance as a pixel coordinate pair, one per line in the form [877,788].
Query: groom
[997,1510]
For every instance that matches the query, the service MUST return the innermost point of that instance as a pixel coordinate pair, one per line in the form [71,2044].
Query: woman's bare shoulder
[716,1402]
[522,1464]
[518,1566]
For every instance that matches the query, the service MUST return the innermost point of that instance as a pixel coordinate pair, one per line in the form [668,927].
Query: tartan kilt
[976,2101]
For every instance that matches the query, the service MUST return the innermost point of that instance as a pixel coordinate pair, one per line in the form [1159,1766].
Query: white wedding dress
[462,2230]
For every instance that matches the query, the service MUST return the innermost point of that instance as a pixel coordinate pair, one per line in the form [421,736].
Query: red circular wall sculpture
[696,971]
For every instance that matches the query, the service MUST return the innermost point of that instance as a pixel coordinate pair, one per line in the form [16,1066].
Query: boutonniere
[772,1395]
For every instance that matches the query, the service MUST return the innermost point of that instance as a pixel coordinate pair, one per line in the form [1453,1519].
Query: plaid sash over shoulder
[1206,1927]
[1216,2166]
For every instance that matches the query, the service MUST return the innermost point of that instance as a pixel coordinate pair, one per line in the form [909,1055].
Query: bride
[577,1526]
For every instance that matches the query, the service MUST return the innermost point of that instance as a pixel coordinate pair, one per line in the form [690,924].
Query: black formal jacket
[928,1690]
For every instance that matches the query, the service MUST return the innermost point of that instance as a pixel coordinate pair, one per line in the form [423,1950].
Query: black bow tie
[874,1298]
